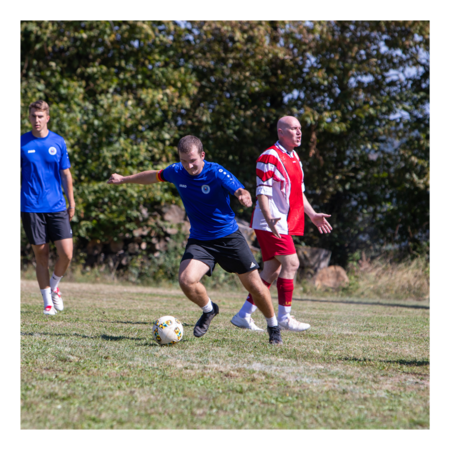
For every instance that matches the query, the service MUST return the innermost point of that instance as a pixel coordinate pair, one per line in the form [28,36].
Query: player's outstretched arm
[318,219]
[147,177]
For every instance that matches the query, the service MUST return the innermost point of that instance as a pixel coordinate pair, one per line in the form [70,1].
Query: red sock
[285,291]
[250,298]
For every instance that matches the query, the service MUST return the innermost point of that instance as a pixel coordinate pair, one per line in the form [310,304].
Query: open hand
[115,178]
[272,225]
[320,221]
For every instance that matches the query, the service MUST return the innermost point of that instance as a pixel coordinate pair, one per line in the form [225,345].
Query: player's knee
[69,256]
[292,265]
[42,256]
[186,283]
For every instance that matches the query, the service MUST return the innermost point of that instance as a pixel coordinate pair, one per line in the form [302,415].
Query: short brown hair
[187,142]
[41,105]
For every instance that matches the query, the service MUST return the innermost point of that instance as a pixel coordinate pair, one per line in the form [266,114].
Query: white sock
[47,296]
[283,312]
[208,307]
[54,281]
[247,309]
[272,322]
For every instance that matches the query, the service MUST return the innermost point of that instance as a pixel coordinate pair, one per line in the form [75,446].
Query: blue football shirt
[41,159]
[206,199]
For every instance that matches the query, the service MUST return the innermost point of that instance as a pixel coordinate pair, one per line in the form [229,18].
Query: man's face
[39,119]
[291,133]
[193,161]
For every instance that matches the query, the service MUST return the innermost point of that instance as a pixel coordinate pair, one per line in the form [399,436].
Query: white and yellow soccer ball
[167,330]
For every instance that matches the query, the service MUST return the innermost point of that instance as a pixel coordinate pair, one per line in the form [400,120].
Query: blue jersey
[205,198]
[41,159]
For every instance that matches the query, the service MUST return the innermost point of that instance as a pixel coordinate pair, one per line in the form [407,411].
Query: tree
[124,93]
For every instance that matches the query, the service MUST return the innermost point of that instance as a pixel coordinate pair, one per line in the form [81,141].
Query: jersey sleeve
[167,174]
[267,171]
[228,180]
[65,161]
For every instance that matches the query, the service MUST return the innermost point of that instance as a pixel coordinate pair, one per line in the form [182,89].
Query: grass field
[364,364]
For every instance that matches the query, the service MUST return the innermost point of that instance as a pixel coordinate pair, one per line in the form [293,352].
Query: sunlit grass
[361,365]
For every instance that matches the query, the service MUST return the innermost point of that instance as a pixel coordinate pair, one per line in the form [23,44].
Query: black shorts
[41,228]
[231,252]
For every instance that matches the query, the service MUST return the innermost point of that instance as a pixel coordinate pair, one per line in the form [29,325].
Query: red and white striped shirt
[279,176]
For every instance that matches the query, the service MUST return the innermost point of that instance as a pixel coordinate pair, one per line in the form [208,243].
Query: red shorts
[271,245]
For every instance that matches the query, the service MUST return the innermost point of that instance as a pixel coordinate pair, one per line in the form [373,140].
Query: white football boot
[57,299]
[49,310]
[249,324]
[291,324]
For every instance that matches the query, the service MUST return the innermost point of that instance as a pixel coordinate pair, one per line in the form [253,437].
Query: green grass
[362,365]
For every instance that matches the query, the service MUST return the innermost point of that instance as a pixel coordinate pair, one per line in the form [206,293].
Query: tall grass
[380,278]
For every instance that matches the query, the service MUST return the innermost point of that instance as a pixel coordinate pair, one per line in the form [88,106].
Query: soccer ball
[167,330]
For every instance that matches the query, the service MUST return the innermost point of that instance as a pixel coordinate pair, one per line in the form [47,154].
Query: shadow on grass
[398,305]
[135,323]
[123,322]
[105,337]
[402,362]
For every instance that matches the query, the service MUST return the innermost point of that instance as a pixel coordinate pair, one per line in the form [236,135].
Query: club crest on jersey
[52,150]
[206,189]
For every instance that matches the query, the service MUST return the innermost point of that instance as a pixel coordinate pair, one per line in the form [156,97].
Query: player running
[204,188]
[279,215]
[45,165]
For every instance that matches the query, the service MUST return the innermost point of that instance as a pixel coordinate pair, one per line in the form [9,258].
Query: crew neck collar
[39,137]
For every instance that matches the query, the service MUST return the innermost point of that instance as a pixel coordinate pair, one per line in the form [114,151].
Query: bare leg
[41,252]
[189,276]
[261,295]
[271,270]
[64,248]
[289,265]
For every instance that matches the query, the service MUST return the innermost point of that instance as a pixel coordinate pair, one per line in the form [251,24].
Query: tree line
[123,93]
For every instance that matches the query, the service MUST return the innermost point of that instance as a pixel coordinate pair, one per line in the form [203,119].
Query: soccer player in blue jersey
[204,188]
[45,217]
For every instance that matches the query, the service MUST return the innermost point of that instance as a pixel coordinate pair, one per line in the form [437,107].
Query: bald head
[289,132]
[287,121]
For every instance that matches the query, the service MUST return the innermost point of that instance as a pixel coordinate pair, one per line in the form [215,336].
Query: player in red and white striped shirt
[279,215]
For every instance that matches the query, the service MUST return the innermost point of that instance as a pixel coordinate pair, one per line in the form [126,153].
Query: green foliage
[123,93]
[115,114]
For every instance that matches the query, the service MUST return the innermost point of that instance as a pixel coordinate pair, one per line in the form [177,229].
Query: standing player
[279,215]
[204,188]
[45,165]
